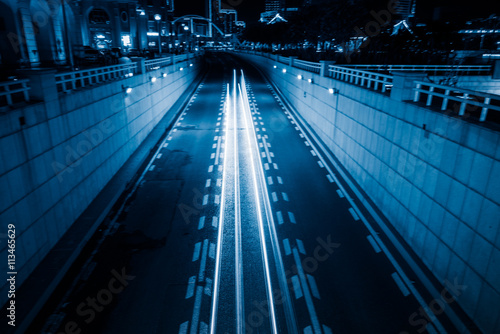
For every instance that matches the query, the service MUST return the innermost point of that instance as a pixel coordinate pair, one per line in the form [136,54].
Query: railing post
[463,105]
[403,84]
[495,74]
[484,111]
[43,88]
[323,71]
[291,59]
[141,64]
[445,100]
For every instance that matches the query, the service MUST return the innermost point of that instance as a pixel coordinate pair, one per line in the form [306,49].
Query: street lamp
[158,18]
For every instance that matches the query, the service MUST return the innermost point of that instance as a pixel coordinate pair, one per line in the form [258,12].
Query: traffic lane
[151,303]
[317,204]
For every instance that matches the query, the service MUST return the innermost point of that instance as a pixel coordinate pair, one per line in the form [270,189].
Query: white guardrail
[307,65]
[373,80]
[464,69]
[154,64]
[465,97]
[79,79]
[12,91]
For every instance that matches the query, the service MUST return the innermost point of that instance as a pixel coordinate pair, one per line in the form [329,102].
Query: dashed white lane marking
[321,164]
[296,287]
[205,199]
[285,196]
[292,217]
[190,289]
[286,245]
[374,244]
[307,296]
[354,214]
[152,168]
[307,143]
[207,184]
[280,180]
[301,135]
[201,223]
[214,145]
[275,165]
[169,138]
[313,286]
[270,180]
[211,252]
[297,128]
[197,250]
[279,215]
[174,130]
[219,182]
[159,156]
[327,330]
[210,168]
[313,153]
[212,156]
[217,199]
[330,178]
[266,166]
[165,145]
[300,244]
[340,193]
[203,263]
[400,284]
[215,221]
[184,327]
[263,154]
[275,197]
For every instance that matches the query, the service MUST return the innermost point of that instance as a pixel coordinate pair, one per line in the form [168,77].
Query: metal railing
[307,65]
[468,100]
[283,60]
[372,80]
[14,91]
[83,78]
[154,64]
[437,69]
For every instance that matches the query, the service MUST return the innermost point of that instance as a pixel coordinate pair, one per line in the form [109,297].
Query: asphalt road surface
[239,225]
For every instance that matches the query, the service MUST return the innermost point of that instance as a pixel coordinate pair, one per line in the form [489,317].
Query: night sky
[249,10]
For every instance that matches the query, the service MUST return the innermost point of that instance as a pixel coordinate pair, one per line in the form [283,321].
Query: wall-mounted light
[157,17]
[153,79]
[310,80]
[164,74]
[330,90]
[333,90]
[299,77]
[190,65]
[284,70]
[181,69]
[127,89]
[275,66]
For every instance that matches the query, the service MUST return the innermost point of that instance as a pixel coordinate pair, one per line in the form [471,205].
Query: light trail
[215,298]
[254,148]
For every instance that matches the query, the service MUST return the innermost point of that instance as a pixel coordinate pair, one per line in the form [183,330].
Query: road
[239,225]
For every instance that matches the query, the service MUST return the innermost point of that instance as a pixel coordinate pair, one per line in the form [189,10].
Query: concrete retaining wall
[57,155]
[439,187]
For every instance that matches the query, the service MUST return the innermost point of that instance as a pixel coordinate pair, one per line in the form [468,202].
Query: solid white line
[307,295]
[203,262]
[296,287]
[292,217]
[286,245]
[279,216]
[300,244]
[197,309]
[354,214]
[400,284]
[374,244]
[339,192]
[190,289]
[196,253]
[313,286]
